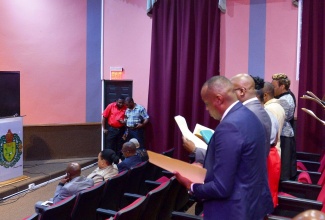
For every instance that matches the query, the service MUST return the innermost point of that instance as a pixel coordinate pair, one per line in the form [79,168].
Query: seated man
[141,152]
[107,160]
[71,184]
[131,158]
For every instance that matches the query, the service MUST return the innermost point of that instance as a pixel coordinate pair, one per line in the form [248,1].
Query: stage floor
[38,172]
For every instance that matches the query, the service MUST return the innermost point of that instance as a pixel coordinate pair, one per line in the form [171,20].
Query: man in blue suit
[129,151]
[235,186]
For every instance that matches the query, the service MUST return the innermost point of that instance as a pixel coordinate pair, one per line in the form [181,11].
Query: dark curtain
[310,132]
[184,54]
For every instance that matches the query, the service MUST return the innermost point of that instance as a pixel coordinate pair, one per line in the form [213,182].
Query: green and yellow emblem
[10,149]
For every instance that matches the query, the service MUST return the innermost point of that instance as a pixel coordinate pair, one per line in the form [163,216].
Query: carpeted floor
[40,173]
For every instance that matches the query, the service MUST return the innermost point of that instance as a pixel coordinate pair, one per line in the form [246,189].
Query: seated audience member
[141,152]
[71,184]
[106,166]
[131,159]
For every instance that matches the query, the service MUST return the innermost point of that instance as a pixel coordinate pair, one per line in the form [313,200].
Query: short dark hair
[110,156]
[129,99]
[259,82]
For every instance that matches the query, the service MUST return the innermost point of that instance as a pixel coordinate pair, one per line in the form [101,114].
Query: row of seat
[307,192]
[118,191]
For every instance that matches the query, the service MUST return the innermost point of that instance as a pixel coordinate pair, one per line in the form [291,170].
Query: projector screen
[9,93]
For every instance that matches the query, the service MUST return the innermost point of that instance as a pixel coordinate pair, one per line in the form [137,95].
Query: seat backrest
[321,197]
[304,177]
[322,165]
[32,217]
[87,202]
[321,180]
[155,199]
[169,153]
[133,210]
[301,166]
[136,178]
[61,210]
[182,199]
[113,191]
[167,207]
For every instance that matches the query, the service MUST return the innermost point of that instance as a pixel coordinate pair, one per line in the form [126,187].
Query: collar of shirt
[228,109]
[250,100]
[272,101]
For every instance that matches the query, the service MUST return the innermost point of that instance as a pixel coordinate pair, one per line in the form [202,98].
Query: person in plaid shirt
[136,118]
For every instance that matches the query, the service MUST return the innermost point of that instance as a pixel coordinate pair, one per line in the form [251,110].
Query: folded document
[194,173]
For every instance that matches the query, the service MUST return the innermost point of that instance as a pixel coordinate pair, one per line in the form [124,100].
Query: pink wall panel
[234,38]
[127,42]
[281,41]
[46,41]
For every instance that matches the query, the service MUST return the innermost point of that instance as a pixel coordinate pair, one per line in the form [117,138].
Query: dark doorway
[9,93]
[113,89]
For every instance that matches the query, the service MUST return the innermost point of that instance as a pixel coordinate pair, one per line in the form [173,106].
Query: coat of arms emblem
[10,149]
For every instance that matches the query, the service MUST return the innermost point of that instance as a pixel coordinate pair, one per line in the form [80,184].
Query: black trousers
[288,158]
[114,139]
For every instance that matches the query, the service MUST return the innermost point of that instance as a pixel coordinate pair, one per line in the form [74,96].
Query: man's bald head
[217,94]
[244,86]
[73,169]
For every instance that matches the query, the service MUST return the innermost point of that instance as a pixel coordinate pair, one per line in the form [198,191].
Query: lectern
[11,148]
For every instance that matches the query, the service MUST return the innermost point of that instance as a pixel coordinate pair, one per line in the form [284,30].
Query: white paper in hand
[181,122]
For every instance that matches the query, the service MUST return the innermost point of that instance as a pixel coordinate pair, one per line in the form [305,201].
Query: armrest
[167,173]
[310,165]
[314,176]
[302,190]
[276,217]
[308,156]
[150,185]
[183,216]
[128,198]
[104,213]
[290,207]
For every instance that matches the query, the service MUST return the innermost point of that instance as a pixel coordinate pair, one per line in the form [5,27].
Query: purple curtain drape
[184,54]
[310,132]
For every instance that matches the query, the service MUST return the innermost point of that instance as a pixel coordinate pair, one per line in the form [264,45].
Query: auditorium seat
[32,217]
[136,178]
[61,210]
[185,216]
[300,190]
[314,176]
[308,156]
[87,202]
[168,204]
[169,153]
[289,206]
[113,191]
[153,201]
[129,212]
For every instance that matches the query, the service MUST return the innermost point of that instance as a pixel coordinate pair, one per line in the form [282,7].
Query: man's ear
[219,99]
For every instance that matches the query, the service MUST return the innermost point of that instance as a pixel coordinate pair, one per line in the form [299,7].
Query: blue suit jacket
[129,162]
[236,185]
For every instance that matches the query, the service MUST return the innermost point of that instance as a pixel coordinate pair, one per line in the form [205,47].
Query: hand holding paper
[188,134]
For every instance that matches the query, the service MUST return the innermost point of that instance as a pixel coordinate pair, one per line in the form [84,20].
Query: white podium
[11,148]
